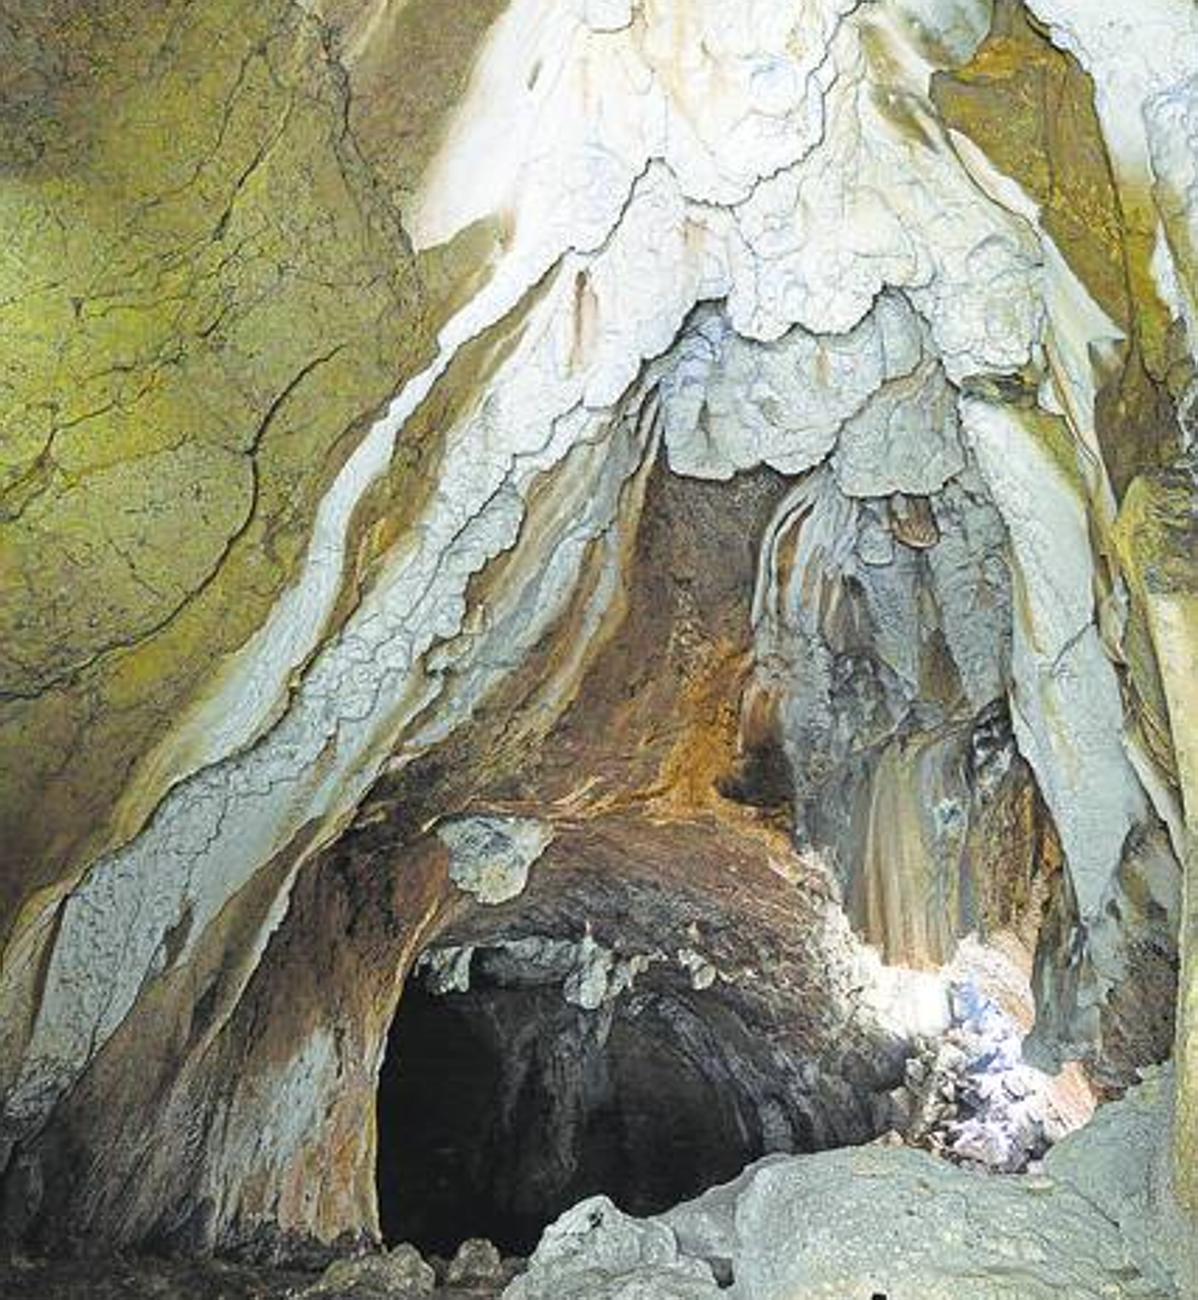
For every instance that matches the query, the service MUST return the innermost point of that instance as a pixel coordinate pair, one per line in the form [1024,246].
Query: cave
[530,1065]
[598,621]
[500,1107]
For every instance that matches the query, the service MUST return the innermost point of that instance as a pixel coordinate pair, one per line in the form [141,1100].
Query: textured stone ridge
[583,425]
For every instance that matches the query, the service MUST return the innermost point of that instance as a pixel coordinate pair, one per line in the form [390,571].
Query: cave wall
[771,428]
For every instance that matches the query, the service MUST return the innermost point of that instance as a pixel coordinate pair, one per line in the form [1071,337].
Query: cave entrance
[504,1104]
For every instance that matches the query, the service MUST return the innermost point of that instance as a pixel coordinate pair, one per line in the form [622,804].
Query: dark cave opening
[501,1106]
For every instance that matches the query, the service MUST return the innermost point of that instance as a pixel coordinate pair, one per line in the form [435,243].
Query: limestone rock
[397,1274]
[594,1250]
[476,1263]
[706,1226]
[905,440]
[887,1220]
[731,403]
[971,1097]
[448,969]
[901,1224]
[490,857]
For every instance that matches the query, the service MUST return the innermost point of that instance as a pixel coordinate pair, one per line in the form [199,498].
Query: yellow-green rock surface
[205,292]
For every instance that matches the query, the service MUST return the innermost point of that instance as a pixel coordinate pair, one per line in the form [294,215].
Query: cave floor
[137,1278]
[146,1278]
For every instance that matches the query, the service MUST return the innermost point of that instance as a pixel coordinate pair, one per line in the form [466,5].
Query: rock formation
[643,522]
[897,1224]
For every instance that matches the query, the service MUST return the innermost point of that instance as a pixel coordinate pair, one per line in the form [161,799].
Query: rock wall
[765,431]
